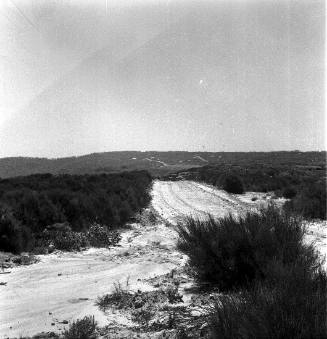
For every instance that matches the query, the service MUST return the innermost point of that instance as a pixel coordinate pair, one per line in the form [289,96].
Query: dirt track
[64,286]
[177,199]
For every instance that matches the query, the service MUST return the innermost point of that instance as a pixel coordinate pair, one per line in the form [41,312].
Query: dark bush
[100,236]
[13,236]
[120,298]
[65,240]
[310,202]
[231,253]
[82,329]
[289,192]
[232,184]
[292,305]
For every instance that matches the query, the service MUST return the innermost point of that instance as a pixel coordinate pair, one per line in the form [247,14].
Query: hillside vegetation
[157,163]
[30,205]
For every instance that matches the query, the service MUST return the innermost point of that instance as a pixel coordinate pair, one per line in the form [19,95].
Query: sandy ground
[64,286]
[178,199]
[317,234]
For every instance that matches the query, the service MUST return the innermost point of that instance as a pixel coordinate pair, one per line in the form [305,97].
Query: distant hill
[157,163]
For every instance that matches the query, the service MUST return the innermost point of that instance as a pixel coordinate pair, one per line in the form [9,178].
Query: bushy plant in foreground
[82,329]
[231,253]
[291,305]
[276,282]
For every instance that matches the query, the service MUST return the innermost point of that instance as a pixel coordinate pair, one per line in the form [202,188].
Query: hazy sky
[82,76]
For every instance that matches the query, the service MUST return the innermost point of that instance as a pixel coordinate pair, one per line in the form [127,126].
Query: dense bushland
[277,284]
[29,204]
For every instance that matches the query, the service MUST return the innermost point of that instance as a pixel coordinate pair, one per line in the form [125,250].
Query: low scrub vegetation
[60,236]
[276,284]
[28,205]
[289,192]
[309,202]
[122,298]
[143,307]
[82,329]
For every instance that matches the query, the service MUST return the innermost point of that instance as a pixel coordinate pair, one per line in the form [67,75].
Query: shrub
[230,253]
[232,184]
[292,305]
[119,298]
[143,315]
[310,202]
[13,236]
[289,192]
[100,236]
[62,238]
[173,295]
[82,329]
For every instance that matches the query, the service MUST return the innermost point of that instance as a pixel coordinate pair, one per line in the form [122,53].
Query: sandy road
[64,286]
[174,200]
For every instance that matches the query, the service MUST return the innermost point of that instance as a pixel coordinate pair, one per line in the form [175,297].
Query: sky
[82,76]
